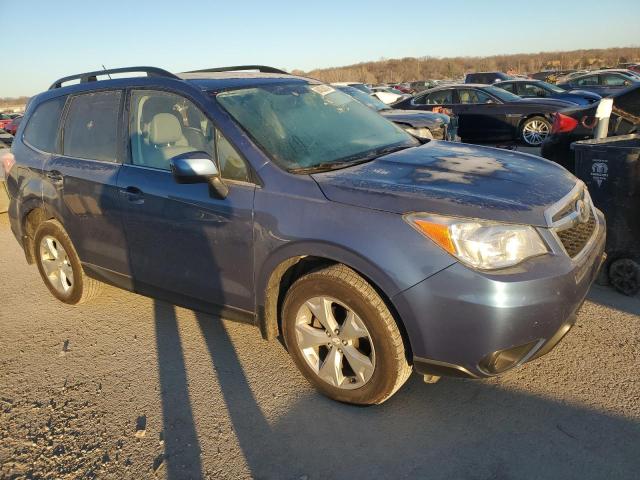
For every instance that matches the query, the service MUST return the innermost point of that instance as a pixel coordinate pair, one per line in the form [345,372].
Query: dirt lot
[127,387]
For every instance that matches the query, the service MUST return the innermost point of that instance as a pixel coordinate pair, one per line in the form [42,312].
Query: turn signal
[437,232]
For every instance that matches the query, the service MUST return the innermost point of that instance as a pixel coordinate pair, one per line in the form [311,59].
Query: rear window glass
[42,130]
[91,127]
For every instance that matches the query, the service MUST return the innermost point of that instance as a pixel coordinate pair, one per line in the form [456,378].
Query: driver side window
[442,97]
[164,125]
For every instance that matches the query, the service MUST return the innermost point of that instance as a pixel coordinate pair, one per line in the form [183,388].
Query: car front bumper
[461,322]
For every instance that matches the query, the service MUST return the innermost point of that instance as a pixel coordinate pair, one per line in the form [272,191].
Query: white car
[388,95]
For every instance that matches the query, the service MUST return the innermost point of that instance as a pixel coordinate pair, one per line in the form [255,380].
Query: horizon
[286,36]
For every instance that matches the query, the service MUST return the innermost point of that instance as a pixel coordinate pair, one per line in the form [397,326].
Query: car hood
[415,118]
[453,179]
[548,102]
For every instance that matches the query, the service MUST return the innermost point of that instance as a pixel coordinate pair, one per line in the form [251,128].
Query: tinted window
[91,127]
[42,129]
[587,81]
[532,90]
[509,87]
[473,96]
[441,97]
[232,165]
[164,125]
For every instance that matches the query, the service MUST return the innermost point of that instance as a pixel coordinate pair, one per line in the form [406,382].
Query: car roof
[520,80]
[233,80]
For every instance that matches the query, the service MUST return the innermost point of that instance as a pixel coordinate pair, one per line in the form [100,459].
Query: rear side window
[509,87]
[91,126]
[42,130]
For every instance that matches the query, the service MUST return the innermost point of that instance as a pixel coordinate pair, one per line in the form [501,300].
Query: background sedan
[539,89]
[604,83]
[486,113]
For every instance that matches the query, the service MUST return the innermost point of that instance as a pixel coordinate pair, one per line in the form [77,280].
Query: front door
[182,239]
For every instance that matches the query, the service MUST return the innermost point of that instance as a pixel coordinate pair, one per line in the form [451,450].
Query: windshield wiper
[350,161]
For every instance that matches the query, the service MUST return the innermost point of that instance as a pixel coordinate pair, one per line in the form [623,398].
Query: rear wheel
[60,267]
[343,338]
[534,130]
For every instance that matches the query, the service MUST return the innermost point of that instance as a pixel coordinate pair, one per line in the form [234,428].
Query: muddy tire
[343,338]
[60,267]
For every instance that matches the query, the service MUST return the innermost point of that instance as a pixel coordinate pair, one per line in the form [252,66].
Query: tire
[74,287]
[624,275]
[534,130]
[352,300]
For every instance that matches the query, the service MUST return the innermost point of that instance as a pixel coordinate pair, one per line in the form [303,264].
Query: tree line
[415,69]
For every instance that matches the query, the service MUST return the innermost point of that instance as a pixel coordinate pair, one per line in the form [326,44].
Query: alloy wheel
[56,264]
[534,132]
[335,343]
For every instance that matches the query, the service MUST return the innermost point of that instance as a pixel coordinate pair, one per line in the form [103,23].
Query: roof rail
[92,76]
[240,68]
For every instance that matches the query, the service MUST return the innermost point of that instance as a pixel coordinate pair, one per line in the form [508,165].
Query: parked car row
[9,122]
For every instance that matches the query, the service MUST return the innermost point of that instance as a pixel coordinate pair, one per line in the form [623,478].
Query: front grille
[574,239]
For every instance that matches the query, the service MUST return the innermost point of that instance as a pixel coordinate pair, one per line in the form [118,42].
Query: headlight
[478,243]
[422,132]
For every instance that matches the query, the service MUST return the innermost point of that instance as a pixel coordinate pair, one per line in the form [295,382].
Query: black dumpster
[610,167]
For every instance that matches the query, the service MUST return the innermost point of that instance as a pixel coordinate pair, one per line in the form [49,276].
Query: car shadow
[609,297]
[453,429]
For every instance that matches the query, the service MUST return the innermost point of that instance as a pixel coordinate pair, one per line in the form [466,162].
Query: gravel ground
[127,387]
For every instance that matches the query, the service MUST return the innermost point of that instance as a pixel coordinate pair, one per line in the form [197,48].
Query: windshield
[302,126]
[368,100]
[502,94]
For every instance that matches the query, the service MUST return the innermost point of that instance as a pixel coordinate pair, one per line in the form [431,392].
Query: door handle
[133,194]
[55,176]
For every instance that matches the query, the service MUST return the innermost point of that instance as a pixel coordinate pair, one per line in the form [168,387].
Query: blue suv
[280,201]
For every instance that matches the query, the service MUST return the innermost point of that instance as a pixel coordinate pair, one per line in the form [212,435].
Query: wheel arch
[33,215]
[285,267]
[546,115]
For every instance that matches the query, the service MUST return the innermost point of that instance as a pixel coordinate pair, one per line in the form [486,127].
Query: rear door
[183,240]
[81,182]
[481,116]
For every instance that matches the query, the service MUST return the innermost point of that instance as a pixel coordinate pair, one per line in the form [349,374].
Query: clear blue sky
[56,38]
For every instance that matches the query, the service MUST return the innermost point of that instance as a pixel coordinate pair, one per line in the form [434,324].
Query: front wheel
[59,265]
[343,338]
[534,130]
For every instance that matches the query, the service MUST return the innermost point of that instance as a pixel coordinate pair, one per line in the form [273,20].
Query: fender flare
[278,263]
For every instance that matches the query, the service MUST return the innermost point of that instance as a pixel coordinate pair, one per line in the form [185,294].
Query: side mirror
[198,167]
[490,101]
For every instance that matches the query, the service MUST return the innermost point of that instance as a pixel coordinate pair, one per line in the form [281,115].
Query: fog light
[501,360]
